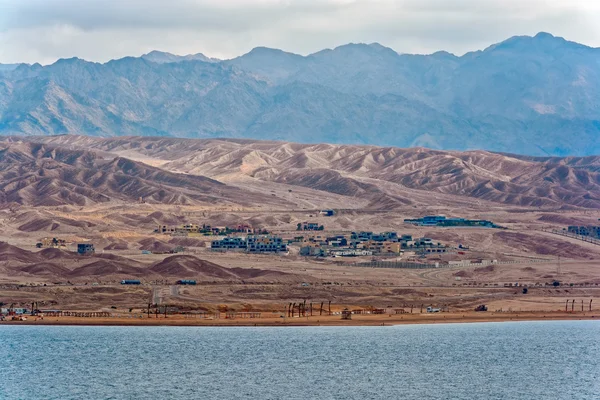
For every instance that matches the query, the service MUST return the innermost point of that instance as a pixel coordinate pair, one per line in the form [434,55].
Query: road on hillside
[156,295]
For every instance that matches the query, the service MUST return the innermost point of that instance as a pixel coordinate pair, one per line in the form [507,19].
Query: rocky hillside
[528,95]
[39,174]
[384,176]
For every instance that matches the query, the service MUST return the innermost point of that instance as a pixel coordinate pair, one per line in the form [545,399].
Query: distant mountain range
[530,95]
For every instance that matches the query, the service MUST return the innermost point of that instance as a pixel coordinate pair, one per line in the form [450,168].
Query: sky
[100,30]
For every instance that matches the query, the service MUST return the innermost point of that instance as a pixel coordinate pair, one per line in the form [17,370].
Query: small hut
[346,314]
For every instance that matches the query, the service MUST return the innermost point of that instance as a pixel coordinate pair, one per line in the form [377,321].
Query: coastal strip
[334,320]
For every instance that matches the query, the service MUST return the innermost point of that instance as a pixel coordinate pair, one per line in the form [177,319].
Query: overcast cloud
[100,30]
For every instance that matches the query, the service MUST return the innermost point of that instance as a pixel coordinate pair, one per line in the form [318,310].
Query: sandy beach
[334,320]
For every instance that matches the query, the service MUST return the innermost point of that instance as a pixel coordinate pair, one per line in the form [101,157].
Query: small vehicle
[482,307]
[432,310]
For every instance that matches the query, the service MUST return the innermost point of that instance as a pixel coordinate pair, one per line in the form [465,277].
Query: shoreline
[335,320]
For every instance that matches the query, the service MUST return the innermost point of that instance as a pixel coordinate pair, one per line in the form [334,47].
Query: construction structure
[309,226]
[85,249]
[51,243]
[591,231]
[230,243]
[251,244]
[368,243]
[206,230]
[441,220]
[265,244]
[346,314]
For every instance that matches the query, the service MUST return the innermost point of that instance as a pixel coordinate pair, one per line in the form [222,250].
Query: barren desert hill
[14,254]
[106,268]
[151,244]
[190,266]
[45,269]
[39,174]
[590,163]
[61,264]
[41,220]
[53,253]
[388,175]
[10,253]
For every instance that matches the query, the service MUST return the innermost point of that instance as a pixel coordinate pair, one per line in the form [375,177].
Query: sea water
[520,360]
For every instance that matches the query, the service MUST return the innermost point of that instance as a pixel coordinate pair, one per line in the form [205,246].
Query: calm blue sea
[522,360]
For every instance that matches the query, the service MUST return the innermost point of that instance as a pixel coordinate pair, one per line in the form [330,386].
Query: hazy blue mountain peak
[542,42]
[26,67]
[262,51]
[444,55]
[364,47]
[162,57]
[527,94]
[71,60]
[545,36]
[9,67]
[379,46]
